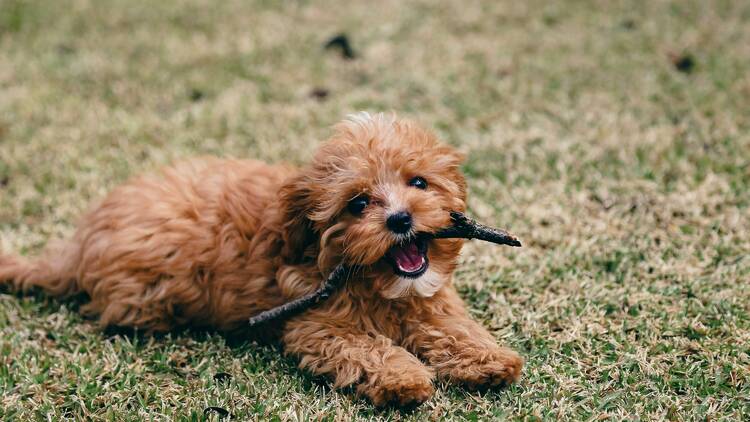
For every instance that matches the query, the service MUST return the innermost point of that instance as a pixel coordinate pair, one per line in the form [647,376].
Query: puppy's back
[151,252]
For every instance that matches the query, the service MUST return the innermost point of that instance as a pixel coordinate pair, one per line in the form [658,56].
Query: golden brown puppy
[213,242]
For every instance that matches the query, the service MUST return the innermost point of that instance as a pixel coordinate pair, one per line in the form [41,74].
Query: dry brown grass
[626,178]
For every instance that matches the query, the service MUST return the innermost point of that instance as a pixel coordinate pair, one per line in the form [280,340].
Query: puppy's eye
[358,204]
[418,183]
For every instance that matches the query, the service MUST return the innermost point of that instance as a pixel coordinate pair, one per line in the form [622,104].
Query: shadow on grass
[259,352]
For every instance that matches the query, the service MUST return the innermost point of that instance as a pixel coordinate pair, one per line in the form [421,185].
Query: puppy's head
[371,197]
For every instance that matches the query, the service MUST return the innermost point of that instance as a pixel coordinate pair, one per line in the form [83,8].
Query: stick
[334,281]
[466,228]
[463,227]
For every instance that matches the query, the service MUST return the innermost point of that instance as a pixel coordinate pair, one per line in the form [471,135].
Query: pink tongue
[407,257]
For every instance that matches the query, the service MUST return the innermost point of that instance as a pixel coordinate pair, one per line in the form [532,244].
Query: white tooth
[421,263]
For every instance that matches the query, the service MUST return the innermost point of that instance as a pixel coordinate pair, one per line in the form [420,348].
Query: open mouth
[409,259]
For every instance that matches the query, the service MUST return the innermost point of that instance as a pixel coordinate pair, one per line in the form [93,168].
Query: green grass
[627,179]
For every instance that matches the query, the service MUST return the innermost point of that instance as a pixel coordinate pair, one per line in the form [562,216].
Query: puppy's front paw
[486,368]
[403,388]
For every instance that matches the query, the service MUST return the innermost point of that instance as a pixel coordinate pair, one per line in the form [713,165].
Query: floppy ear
[296,228]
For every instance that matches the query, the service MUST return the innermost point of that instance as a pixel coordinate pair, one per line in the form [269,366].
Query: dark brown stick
[466,228]
[334,282]
[463,227]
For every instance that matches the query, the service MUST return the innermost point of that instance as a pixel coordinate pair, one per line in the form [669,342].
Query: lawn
[612,137]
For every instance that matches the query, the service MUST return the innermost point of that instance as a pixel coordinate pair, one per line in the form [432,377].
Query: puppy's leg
[458,348]
[385,373]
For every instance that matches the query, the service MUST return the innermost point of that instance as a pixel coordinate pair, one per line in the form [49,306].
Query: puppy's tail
[54,271]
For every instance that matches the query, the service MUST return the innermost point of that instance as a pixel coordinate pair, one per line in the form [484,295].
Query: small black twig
[463,227]
[341,42]
[335,280]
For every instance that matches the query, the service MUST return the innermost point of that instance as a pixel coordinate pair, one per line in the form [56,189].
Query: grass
[612,137]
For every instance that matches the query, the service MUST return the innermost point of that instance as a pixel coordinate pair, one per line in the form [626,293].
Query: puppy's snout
[399,222]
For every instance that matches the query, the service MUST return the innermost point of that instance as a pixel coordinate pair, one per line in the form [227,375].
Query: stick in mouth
[466,228]
[463,228]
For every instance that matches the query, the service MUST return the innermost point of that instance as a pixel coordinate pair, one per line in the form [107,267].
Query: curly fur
[212,242]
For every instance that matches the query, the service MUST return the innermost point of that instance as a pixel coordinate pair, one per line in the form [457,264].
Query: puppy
[213,242]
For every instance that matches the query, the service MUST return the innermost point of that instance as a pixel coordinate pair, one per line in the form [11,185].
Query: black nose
[399,222]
